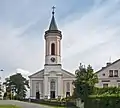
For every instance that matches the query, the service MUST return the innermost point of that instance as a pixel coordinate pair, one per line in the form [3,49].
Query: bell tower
[53,38]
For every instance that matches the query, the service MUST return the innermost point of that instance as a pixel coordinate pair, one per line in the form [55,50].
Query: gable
[67,74]
[39,74]
[113,66]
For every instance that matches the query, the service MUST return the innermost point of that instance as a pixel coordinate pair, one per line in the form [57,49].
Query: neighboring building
[1,90]
[52,81]
[109,75]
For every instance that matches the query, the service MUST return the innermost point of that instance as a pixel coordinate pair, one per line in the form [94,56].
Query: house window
[52,49]
[115,73]
[110,73]
[105,85]
[118,80]
[118,84]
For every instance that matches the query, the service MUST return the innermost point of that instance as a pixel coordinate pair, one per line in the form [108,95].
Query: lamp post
[67,100]
[12,91]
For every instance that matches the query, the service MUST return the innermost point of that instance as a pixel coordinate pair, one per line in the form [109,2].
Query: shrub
[103,101]
[107,90]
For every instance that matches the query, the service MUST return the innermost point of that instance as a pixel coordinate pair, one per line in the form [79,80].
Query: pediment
[67,74]
[39,74]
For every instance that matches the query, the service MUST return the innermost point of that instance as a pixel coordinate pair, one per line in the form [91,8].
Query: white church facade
[52,81]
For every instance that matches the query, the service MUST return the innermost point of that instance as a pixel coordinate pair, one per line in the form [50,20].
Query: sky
[90,29]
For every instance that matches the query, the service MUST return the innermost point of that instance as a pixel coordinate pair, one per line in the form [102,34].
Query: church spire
[53,25]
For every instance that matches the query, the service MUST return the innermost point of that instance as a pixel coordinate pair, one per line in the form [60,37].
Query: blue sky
[90,28]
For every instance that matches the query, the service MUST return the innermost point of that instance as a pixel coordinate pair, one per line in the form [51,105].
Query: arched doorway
[52,89]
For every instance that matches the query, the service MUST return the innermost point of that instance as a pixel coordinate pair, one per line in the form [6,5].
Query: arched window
[68,89]
[52,85]
[52,49]
[37,86]
[68,86]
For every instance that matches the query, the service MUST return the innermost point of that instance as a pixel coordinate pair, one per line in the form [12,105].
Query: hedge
[101,101]
[106,90]
[52,103]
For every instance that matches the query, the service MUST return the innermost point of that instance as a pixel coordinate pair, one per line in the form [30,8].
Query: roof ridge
[108,65]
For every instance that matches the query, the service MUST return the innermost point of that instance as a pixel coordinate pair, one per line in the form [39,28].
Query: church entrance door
[52,94]
[52,89]
[37,95]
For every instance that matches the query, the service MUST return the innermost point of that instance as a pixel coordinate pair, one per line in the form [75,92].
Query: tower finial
[53,25]
[53,10]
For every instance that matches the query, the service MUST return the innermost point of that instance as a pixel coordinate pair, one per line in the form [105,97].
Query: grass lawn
[8,106]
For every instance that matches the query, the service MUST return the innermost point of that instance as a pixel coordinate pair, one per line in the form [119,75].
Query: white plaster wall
[48,68]
[53,38]
[113,80]
[65,88]
[33,90]
[46,89]
[58,80]
[59,86]
[33,82]
[57,59]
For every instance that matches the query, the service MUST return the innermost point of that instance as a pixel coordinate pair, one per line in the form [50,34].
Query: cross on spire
[53,25]
[53,10]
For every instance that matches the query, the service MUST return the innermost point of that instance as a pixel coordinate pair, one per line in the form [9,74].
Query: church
[53,81]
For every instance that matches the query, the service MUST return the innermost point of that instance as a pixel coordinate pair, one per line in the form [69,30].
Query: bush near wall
[103,101]
[106,90]
[52,102]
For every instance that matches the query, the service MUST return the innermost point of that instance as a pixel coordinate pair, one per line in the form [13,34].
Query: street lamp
[12,90]
[67,95]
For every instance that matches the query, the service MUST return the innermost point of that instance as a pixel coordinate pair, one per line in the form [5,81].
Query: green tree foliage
[16,84]
[85,81]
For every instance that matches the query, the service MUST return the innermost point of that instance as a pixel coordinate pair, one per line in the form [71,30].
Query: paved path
[22,104]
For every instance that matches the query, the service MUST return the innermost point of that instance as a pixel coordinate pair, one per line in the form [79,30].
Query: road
[22,104]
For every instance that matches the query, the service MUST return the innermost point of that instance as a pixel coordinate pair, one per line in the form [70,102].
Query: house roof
[108,66]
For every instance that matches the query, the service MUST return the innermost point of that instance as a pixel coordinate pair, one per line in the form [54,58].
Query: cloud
[89,34]
[92,38]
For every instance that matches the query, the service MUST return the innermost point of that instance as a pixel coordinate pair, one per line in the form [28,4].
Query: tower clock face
[53,59]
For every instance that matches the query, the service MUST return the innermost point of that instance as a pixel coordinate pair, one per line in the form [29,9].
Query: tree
[85,81]
[16,84]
